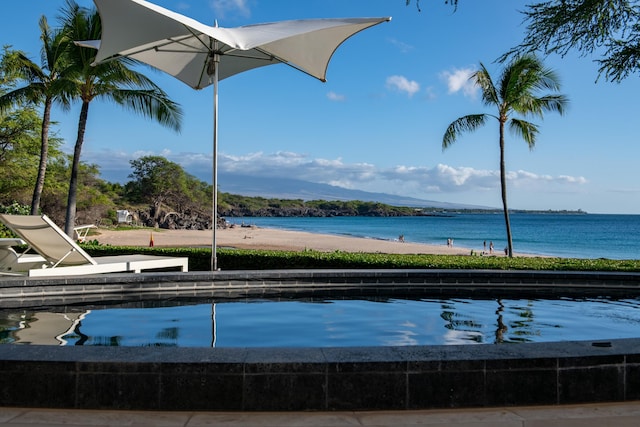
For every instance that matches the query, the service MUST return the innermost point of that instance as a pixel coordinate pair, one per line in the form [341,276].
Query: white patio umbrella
[201,55]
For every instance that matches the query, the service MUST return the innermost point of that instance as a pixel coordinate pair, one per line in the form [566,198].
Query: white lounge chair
[12,262]
[81,232]
[62,256]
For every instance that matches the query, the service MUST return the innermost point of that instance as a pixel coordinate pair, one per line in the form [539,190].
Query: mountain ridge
[286,188]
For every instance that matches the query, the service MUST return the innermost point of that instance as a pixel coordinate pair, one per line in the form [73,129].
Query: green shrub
[106,222]
[245,259]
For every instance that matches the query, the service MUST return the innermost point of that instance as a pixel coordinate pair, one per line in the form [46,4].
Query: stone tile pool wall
[358,378]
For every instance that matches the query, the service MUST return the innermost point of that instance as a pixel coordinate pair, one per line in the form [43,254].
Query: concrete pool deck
[611,414]
[319,379]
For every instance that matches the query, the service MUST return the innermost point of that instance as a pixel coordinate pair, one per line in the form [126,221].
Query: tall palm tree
[113,81]
[44,85]
[519,84]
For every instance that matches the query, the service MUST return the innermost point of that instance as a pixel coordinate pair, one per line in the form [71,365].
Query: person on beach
[490,247]
[484,247]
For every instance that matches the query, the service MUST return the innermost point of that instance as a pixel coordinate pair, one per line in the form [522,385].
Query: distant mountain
[283,188]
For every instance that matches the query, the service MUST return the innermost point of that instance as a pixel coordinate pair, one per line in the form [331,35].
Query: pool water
[324,323]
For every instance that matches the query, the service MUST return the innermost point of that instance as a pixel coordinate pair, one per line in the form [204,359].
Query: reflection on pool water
[324,323]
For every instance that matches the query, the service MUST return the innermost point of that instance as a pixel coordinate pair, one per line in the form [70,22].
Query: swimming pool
[164,376]
[323,322]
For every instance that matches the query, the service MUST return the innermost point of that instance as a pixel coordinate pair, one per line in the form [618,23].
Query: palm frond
[549,80]
[523,79]
[65,91]
[119,73]
[79,23]
[538,106]
[18,65]
[556,103]
[52,55]
[526,130]
[33,93]
[463,124]
[519,79]
[482,78]
[154,104]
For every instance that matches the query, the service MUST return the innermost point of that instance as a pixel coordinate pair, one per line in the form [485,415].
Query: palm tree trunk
[44,155]
[503,185]
[75,166]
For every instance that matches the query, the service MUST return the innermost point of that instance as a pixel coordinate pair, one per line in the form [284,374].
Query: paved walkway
[610,415]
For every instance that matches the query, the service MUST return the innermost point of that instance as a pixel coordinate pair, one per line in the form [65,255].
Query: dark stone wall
[387,378]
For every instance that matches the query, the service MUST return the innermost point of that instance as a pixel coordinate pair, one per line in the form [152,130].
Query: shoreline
[271,239]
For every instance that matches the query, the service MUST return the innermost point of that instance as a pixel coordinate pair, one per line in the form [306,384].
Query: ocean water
[563,235]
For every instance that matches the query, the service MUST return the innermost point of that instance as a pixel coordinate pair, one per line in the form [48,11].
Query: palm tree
[44,85]
[520,82]
[113,81]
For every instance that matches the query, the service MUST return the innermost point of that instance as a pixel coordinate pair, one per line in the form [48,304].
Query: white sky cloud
[458,81]
[336,96]
[224,7]
[430,94]
[402,84]
[402,46]
[438,182]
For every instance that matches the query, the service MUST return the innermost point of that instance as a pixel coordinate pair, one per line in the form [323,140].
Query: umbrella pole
[213,325]
[214,226]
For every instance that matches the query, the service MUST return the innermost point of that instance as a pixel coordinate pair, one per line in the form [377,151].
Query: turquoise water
[579,236]
[329,323]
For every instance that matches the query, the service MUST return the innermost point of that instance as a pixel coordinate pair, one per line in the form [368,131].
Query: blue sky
[377,123]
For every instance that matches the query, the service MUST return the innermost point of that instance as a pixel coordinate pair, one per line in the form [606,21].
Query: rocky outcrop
[171,220]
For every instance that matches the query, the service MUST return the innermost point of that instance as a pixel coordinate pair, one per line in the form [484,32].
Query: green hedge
[244,259]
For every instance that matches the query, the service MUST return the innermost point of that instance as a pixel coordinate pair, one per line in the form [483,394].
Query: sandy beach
[267,238]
